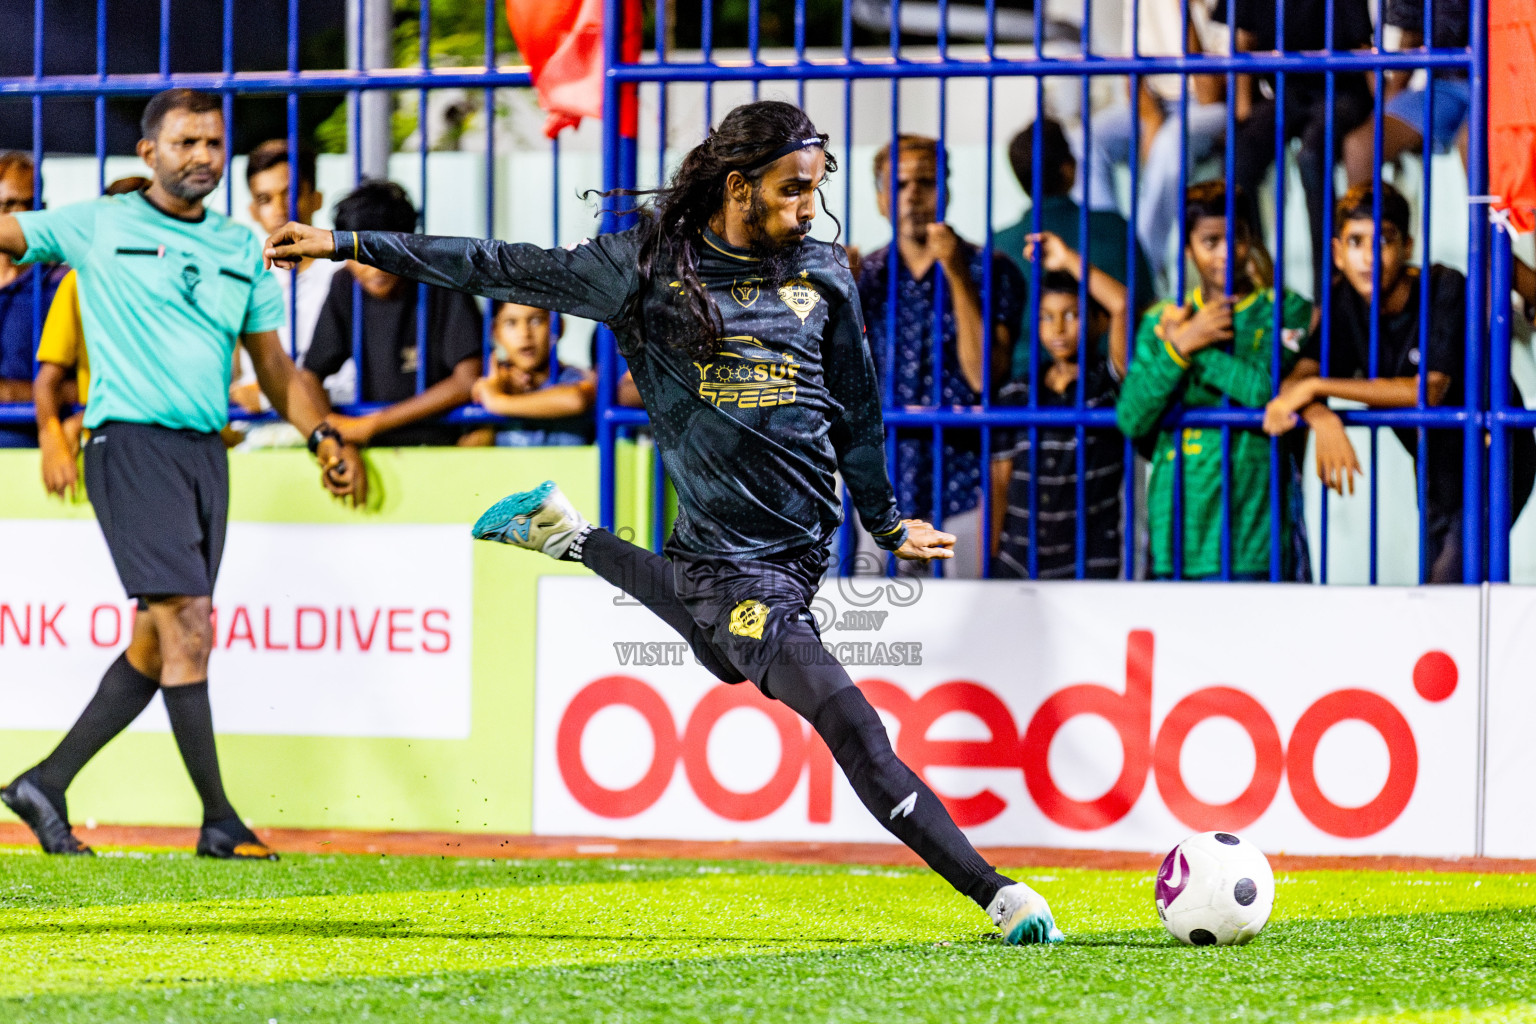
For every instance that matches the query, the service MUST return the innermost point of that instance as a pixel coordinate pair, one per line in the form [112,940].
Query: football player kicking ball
[745,340]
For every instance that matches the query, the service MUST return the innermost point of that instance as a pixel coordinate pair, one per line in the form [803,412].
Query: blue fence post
[1477,297]
[1499,506]
[613,30]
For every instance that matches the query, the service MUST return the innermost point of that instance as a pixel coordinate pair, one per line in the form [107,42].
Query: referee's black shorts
[162,499]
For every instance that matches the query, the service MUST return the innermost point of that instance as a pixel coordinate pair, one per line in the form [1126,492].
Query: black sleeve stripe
[138,252]
[242,278]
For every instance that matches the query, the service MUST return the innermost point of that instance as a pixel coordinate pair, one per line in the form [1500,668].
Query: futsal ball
[1214,889]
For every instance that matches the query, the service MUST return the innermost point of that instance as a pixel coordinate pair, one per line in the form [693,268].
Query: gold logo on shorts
[748,619]
[745,292]
[800,297]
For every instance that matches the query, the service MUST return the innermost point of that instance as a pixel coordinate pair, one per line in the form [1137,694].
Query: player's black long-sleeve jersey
[752,435]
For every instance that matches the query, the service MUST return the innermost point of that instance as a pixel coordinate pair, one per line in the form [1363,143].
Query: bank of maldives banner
[357,630]
[1313,720]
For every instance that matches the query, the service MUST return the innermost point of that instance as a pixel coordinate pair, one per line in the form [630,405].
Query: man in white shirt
[1157,213]
[268,173]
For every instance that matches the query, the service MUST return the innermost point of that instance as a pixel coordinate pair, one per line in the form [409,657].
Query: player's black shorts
[162,499]
[753,610]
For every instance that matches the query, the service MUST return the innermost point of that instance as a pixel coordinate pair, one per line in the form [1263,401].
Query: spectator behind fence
[1061,331]
[1161,143]
[61,352]
[925,249]
[20,317]
[1306,106]
[1402,122]
[1107,230]
[545,401]
[1400,361]
[269,175]
[390,352]
[1190,356]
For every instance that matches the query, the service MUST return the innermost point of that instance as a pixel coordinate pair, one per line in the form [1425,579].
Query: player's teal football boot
[1023,915]
[542,519]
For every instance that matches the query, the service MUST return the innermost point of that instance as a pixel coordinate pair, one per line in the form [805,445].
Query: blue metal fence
[1487,509]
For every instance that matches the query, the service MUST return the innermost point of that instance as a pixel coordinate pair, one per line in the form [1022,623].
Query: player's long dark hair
[674,217]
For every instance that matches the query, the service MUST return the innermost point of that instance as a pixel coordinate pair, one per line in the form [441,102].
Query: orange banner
[1512,109]
[562,41]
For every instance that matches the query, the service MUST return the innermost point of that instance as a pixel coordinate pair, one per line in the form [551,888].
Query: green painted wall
[483,783]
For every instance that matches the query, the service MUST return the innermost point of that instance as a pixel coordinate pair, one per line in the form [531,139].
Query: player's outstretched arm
[293,242]
[596,279]
[299,399]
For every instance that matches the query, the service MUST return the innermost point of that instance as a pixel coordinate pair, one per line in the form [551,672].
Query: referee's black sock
[898,798]
[123,693]
[192,725]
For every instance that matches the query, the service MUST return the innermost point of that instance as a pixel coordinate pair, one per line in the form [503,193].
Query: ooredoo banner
[358,630]
[1117,716]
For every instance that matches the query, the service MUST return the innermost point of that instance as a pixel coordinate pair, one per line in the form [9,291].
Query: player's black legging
[809,680]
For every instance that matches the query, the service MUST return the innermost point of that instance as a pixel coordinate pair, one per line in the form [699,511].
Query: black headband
[786,149]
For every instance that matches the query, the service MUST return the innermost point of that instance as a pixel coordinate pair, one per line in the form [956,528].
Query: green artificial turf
[165,937]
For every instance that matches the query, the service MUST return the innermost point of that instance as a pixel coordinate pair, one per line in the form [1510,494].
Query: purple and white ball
[1214,889]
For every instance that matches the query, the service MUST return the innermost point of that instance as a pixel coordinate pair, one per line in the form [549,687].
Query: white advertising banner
[1115,716]
[1510,808]
[318,630]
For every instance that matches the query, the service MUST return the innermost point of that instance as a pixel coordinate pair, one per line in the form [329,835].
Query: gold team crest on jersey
[748,619]
[800,297]
[746,292]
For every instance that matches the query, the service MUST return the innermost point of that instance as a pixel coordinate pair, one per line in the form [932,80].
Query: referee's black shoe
[49,823]
[231,840]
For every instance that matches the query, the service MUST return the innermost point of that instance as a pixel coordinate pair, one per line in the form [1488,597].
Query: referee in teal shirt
[167,289]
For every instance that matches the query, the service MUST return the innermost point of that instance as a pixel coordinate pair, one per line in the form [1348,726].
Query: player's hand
[924,542]
[1337,464]
[1054,253]
[1210,325]
[61,475]
[293,242]
[357,430]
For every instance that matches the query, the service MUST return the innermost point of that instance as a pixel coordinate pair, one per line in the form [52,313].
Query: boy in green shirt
[1191,356]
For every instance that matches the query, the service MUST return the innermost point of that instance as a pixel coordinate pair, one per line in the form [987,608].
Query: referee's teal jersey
[163,301]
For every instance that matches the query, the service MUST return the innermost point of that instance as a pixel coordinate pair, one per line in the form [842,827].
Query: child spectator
[546,402]
[1191,356]
[1103,466]
[1400,360]
[390,351]
[1059,215]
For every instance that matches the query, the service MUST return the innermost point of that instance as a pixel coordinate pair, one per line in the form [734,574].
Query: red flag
[562,41]
[1512,109]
